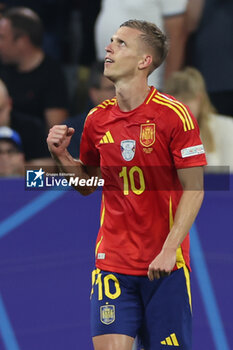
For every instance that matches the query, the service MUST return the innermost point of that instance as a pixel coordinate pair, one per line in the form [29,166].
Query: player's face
[8,43]
[123,55]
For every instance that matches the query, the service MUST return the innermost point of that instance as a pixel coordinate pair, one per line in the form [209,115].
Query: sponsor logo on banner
[128,148]
[147,134]
[107,314]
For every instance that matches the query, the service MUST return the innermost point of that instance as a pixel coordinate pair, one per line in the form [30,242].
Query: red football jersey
[138,153]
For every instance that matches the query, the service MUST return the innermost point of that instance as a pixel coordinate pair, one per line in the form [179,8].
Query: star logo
[35,178]
[39,174]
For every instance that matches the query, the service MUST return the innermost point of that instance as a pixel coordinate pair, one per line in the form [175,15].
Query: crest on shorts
[147,134]
[107,314]
[128,149]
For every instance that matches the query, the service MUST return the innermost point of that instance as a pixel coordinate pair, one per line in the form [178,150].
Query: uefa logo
[35,178]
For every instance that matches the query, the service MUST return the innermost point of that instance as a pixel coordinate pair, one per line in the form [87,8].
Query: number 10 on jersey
[129,180]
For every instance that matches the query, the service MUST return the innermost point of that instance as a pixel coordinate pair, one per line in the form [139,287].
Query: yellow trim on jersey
[152,94]
[101,223]
[92,111]
[97,245]
[174,109]
[178,108]
[180,262]
[160,97]
[113,101]
[170,214]
[103,212]
[181,107]
[109,102]
[105,103]
[102,106]
[107,138]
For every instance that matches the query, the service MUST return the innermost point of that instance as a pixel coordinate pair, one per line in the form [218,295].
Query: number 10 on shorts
[103,283]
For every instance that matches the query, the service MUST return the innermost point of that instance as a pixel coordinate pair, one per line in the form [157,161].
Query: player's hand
[59,139]
[163,264]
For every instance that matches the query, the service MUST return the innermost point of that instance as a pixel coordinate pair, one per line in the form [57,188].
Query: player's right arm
[58,140]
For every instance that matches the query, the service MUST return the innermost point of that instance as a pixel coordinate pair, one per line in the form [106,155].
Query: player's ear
[145,62]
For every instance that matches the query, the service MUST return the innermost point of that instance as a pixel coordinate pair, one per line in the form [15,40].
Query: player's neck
[131,95]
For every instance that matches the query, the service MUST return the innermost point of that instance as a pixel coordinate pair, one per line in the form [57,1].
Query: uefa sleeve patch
[192,151]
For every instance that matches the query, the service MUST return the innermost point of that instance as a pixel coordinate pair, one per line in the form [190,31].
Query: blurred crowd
[51,70]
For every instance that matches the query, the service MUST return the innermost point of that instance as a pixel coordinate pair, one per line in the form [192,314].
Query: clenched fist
[163,264]
[59,139]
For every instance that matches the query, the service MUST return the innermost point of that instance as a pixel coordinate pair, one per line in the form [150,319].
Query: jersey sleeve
[173,8]
[186,146]
[89,154]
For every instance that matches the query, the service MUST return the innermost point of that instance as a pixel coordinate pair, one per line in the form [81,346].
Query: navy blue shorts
[159,312]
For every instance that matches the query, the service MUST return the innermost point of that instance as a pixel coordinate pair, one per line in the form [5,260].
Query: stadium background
[46,247]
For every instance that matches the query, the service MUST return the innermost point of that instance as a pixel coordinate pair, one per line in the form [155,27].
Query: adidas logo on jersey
[170,341]
[107,138]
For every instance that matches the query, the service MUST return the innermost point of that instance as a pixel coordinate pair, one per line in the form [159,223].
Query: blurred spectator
[82,50]
[100,89]
[31,130]
[89,11]
[11,153]
[55,17]
[188,86]
[169,15]
[34,80]
[210,48]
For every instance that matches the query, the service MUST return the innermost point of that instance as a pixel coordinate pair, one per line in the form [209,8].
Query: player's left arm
[192,182]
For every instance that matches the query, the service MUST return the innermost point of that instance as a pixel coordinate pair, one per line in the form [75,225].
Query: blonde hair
[153,37]
[189,84]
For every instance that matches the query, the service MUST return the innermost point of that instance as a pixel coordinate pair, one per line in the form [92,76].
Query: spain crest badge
[147,134]
[107,314]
